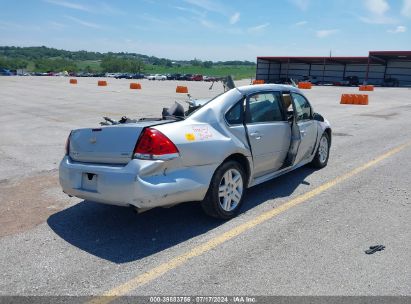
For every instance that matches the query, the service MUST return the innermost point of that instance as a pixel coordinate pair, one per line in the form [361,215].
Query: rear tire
[323,152]
[226,192]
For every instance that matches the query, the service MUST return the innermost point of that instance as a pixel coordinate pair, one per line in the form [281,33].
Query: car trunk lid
[108,145]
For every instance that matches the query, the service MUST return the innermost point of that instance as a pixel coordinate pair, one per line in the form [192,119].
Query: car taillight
[153,144]
[68,144]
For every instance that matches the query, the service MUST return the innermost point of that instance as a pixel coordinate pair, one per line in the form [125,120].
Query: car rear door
[306,125]
[268,131]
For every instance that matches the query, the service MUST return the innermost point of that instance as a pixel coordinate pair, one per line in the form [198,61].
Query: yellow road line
[158,271]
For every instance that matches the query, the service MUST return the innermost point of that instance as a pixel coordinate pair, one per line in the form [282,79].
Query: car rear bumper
[140,183]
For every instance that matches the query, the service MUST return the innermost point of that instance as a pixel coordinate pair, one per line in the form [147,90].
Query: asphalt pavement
[54,245]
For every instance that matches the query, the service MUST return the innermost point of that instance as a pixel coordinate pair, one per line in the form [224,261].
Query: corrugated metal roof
[391,55]
[318,60]
[374,57]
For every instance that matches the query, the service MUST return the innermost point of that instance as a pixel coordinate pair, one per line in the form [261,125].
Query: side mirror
[318,117]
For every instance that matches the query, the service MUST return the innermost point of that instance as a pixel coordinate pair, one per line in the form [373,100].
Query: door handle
[256,135]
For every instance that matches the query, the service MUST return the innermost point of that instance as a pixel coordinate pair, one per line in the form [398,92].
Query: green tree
[135,66]
[12,63]
[196,62]
[207,64]
[113,64]
[88,69]
[55,65]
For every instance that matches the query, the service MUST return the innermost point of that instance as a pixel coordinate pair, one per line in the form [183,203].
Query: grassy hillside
[238,72]
[93,64]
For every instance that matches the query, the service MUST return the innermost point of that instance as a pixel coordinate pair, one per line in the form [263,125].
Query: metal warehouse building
[379,65]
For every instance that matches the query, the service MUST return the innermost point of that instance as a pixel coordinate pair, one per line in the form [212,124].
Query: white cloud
[215,7]
[207,5]
[377,10]
[258,28]
[325,33]
[101,8]
[84,23]
[56,25]
[190,11]
[398,29]
[207,24]
[71,5]
[301,23]
[406,8]
[5,25]
[301,4]
[152,19]
[235,18]
[110,10]
[377,7]
[376,19]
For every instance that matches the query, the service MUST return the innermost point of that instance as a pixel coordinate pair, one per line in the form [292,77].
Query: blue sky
[210,29]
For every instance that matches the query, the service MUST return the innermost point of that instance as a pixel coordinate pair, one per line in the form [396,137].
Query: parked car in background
[123,76]
[162,162]
[186,77]
[156,77]
[173,76]
[197,77]
[390,82]
[285,80]
[137,76]
[5,72]
[209,78]
[312,79]
[161,77]
[130,76]
[111,75]
[348,81]
[151,77]
[180,77]
[98,75]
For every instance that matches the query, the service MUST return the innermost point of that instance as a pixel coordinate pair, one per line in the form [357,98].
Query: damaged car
[210,153]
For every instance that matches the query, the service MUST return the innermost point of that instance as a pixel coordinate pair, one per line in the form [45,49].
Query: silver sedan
[211,153]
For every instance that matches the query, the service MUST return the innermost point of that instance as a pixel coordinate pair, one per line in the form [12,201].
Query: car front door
[268,131]
[307,127]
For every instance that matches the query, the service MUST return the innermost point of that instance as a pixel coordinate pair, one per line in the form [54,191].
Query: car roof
[249,89]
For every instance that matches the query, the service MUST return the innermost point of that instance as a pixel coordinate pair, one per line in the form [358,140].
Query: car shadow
[118,235]
[282,186]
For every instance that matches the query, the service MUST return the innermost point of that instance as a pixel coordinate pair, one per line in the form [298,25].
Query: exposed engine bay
[176,111]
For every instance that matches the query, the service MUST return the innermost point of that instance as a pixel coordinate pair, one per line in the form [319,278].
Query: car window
[235,115]
[302,107]
[265,107]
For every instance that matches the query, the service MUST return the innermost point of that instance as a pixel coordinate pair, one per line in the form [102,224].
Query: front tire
[226,192]
[323,152]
